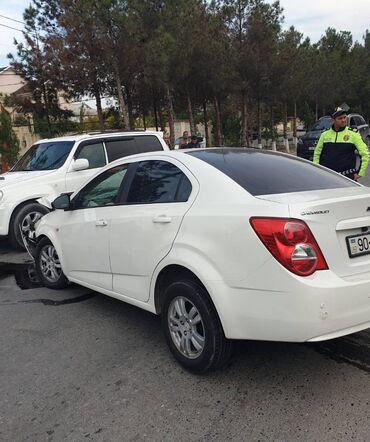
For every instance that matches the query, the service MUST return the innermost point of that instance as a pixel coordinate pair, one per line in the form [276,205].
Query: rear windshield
[322,124]
[44,156]
[267,173]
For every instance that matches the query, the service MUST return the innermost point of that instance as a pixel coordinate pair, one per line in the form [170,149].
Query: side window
[158,182]
[148,143]
[183,190]
[352,122]
[118,148]
[94,153]
[121,147]
[103,190]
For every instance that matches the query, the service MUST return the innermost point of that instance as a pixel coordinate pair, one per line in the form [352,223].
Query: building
[12,84]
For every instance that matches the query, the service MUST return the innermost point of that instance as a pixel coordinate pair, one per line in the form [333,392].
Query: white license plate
[311,147]
[358,245]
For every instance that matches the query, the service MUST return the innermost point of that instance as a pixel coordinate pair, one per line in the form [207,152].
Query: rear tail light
[292,243]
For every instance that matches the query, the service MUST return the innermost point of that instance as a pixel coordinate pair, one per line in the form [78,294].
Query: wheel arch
[217,349]
[46,233]
[19,207]
[171,273]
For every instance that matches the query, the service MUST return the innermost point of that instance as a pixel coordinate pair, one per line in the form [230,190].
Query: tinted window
[148,143]
[265,173]
[184,189]
[322,124]
[158,182]
[121,147]
[94,153]
[44,156]
[103,190]
[352,122]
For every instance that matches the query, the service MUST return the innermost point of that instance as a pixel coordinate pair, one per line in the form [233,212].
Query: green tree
[33,63]
[9,144]
[264,25]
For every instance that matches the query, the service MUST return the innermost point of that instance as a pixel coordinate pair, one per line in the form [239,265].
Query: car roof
[92,136]
[186,154]
[228,169]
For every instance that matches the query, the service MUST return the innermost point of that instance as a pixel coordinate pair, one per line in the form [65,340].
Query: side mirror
[62,202]
[80,164]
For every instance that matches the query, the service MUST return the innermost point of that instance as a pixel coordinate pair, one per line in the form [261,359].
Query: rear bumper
[318,308]
[339,333]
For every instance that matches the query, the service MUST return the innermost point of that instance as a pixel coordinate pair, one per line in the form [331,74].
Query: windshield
[322,124]
[44,156]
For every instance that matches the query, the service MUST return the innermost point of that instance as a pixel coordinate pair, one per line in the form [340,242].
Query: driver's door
[85,229]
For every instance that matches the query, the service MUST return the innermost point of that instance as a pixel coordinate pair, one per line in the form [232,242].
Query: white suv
[57,165]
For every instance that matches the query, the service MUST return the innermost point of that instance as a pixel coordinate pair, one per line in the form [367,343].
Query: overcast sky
[311,17]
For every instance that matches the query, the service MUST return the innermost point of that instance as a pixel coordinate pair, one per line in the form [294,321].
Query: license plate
[358,245]
[311,147]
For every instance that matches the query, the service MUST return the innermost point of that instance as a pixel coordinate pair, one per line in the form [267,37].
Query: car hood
[10,178]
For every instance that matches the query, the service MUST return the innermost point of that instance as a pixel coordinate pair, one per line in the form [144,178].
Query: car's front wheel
[193,329]
[48,265]
[23,221]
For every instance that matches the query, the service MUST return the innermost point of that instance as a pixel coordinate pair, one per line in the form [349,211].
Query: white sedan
[222,243]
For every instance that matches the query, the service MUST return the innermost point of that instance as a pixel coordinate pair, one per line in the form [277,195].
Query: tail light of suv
[291,242]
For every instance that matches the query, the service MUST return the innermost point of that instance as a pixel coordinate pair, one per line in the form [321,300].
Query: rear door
[142,233]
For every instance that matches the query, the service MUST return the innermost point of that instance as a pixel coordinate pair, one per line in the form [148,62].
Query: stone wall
[26,137]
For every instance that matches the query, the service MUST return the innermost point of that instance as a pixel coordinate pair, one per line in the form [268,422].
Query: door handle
[101,223]
[162,219]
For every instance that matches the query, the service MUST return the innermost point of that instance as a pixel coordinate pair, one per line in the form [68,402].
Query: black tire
[214,350]
[27,277]
[50,271]
[24,216]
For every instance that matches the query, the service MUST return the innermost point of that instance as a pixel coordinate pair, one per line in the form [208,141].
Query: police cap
[338,112]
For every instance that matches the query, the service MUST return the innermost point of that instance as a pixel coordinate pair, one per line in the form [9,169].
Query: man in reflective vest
[337,145]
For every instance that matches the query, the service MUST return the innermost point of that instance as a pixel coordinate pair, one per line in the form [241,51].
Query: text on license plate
[358,245]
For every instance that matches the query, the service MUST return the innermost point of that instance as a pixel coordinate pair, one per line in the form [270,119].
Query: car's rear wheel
[193,329]
[48,265]
[23,221]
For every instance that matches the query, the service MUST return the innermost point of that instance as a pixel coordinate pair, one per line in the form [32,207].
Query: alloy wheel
[186,327]
[29,221]
[49,264]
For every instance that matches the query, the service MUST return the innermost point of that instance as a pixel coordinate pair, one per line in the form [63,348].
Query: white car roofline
[89,136]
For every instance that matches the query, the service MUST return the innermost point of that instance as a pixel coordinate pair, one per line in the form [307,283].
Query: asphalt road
[76,365]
